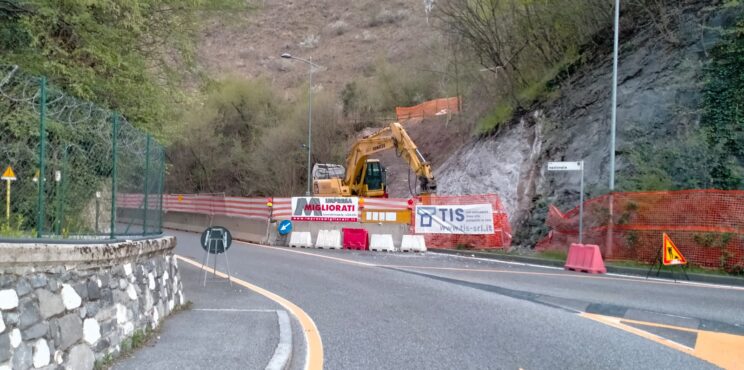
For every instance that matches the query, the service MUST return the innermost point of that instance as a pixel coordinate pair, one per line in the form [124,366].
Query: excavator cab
[370,181]
[374,176]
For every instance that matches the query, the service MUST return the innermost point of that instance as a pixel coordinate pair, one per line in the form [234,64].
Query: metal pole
[581,206]
[147,172]
[309,133]
[114,134]
[616,42]
[42,139]
[57,195]
[7,201]
[162,190]
[98,211]
[614,95]
[63,188]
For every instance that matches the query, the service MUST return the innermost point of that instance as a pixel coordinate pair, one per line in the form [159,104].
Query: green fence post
[42,138]
[162,189]
[147,172]
[114,174]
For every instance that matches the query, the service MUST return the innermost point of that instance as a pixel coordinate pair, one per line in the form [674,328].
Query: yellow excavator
[365,177]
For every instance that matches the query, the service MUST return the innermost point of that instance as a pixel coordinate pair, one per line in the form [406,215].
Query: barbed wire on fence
[82,162]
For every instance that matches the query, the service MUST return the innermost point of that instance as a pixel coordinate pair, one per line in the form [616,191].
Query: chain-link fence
[82,171]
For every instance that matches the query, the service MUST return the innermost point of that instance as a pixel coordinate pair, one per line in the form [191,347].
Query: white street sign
[564,166]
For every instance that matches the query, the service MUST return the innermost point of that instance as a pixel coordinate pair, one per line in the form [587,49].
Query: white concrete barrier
[328,239]
[413,243]
[381,243]
[301,239]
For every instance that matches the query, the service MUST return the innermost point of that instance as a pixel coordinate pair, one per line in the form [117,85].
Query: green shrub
[499,116]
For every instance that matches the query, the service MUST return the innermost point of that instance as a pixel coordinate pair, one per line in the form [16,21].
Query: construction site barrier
[413,243]
[706,225]
[381,243]
[328,239]
[209,204]
[301,239]
[355,238]
[216,206]
[585,258]
[431,108]
[501,238]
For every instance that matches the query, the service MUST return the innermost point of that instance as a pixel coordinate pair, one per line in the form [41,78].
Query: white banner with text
[341,209]
[474,219]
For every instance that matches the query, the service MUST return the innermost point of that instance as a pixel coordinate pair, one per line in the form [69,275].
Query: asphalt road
[406,311]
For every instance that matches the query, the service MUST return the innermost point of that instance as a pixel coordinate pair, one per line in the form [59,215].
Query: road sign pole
[98,211]
[581,206]
[574,166]
[7,201]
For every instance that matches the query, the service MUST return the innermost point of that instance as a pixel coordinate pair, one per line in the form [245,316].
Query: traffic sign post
[573,166]
[216,240]
[8,176]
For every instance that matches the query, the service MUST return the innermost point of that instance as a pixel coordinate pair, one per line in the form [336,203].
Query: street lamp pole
[616,41]
[309,120]
[614,95]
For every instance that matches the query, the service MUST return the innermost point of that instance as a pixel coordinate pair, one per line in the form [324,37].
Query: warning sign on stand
[671,254]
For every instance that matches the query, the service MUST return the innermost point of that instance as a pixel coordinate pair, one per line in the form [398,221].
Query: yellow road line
[314,355]
[616,322]
[721,349]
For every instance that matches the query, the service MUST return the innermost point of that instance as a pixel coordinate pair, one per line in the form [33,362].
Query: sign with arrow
[284,227]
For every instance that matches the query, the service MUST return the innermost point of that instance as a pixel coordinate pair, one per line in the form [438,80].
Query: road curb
[701,278]
[283,353]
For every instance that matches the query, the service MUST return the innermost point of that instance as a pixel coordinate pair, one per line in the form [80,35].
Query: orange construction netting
[501,238]
[706,225]
[431,108]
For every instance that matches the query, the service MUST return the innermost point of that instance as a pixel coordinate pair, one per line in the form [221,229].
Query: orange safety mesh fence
[501,238]
[431,108]
[706,225]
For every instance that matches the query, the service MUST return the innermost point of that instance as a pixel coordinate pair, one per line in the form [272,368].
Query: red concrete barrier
[355,238]
[585,258]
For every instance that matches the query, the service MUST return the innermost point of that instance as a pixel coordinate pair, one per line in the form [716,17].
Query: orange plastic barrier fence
[707,226]
[429,108]
[216,204]
[501,238]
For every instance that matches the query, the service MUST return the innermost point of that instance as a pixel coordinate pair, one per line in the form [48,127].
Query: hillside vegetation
[206,77]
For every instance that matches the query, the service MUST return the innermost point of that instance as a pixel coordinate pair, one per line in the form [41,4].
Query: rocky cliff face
[659,93]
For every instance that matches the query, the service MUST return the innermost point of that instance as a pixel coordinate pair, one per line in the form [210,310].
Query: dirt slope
[345,37]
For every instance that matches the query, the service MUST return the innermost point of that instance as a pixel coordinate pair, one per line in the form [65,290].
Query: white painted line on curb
[497,261]
[232,310]
[313,342]
[283,352]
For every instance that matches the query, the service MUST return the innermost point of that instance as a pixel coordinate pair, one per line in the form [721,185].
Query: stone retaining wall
[67,306]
